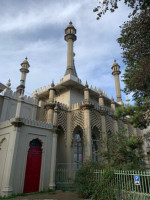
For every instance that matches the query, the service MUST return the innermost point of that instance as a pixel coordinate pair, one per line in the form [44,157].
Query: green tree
[135,43]
[125,152]
[112,5]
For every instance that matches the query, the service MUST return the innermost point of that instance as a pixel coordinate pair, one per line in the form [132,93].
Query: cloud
[36,29]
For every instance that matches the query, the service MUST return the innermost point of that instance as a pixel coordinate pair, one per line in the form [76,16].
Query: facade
[58,124]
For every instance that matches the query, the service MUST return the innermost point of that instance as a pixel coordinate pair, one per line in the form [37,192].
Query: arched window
[77,150]
[94,149]
[109,138]
[95,144]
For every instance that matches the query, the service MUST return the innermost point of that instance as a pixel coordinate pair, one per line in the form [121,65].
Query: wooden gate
[33,167]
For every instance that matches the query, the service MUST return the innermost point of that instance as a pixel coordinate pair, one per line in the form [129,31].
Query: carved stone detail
[96,120]
[77,119]
[109,124]
[62,121]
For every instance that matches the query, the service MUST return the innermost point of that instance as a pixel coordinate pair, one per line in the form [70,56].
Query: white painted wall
[19,139]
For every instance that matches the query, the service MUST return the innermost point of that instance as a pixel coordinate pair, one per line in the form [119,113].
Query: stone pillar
[24,70]
[51,104]
[87,124]
[19,110]
[53,160]
[54,150]
[115,73]
[9,171]
[86,93]
[70,37]
[69,147]
[113,106]
[101,99]
[87,129]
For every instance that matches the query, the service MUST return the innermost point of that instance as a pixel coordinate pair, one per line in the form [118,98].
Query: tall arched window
[94,149]
[109,137]
[95,144]
[77,150]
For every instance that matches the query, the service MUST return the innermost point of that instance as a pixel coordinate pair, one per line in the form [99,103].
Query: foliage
[84,180]
[125,152]
[112,5]
[135,114]
[135,42]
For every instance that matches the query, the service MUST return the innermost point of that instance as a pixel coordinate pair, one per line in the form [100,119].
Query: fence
[129,184]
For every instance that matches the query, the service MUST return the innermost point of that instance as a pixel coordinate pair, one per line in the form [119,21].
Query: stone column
[87,123]
[70,53]
[69,147]
[101,99]
[87,129]
[70,37]
[51,104]
[115,73]
[53,160]
[19,110]
[24,70]
[54,150]
[9,171]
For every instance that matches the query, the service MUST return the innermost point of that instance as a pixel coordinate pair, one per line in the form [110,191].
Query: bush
[84,180]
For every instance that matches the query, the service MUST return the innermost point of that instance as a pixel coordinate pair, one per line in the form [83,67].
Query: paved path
[58,195]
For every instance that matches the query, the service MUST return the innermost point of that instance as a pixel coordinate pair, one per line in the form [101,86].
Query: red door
[33,167]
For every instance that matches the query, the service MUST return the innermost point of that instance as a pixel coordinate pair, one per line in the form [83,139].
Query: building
[58,124]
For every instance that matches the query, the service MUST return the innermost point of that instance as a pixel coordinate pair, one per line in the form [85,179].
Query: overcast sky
[35,28]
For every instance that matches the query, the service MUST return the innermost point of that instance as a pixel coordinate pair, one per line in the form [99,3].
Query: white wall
[18,146]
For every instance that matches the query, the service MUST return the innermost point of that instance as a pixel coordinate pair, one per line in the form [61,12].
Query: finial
[35,94]
[112,99]
[8,84]
[26,58]
[128,100]
[86,84]
[115,62]
[70,22]
[100,93]
[52,84]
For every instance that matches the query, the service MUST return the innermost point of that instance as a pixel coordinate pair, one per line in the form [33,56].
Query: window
[78,150]
[94,149]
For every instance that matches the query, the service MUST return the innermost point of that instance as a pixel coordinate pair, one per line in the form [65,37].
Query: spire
[115,72]
[24,70]
[70,37]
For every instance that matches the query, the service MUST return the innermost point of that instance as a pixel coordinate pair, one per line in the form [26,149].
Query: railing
[124,181]
[132,182]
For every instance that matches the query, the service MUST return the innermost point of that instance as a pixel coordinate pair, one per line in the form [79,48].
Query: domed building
[61,124]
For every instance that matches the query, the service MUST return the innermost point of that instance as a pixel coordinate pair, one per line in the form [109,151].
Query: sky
[35,29]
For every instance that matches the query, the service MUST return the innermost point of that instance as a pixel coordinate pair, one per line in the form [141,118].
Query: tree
[125,152]
[112,5]
[135,42]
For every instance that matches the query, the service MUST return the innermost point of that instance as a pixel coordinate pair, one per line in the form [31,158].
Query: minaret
[24,70]
[70,37]
[115,72]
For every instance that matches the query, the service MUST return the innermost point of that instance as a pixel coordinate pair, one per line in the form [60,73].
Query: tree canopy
[135,43]
[112,5]
[125,152]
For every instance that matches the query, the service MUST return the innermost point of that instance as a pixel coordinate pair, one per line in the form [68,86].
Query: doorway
[33,167]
